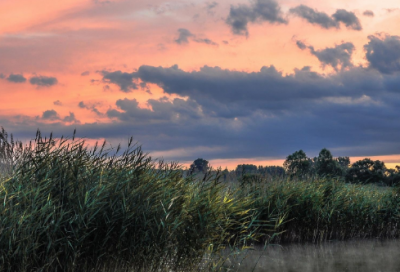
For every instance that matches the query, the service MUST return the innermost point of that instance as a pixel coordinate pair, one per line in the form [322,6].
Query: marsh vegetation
[65,207]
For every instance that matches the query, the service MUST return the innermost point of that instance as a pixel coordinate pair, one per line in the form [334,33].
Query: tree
[242,169]
[326,165]
[393,176]
[367,171]
[199,165]
[298,164]
[344,162]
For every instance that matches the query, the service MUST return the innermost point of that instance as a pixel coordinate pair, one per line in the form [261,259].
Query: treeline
[363,171]
[299,166]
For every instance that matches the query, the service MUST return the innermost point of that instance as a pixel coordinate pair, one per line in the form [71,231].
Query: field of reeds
[66,207]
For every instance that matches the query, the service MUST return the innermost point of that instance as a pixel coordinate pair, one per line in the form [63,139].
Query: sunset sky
[232,82]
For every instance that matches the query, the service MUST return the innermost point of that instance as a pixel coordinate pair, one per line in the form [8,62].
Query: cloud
[339,55]
[185,34]
[92,108]
[86,73]
[70,118]
[349,19]
[16,78]
[210,7]
[206,41]
[324,20]
[257,12]
[43,81]
[383,53]
[50,115]
[2,76]
[57,103]
[122,79]
[369,13]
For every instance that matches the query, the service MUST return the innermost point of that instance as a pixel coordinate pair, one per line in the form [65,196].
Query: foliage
[199,165]
[366,171]
[328,209]
[297,164]
[326,165]
[68,208]
[242,169]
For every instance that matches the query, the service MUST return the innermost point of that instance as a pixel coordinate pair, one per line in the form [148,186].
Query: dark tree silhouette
[326,165]
[367,171]
[199,165]
[298,164]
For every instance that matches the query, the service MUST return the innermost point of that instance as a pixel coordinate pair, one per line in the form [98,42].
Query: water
[354,256]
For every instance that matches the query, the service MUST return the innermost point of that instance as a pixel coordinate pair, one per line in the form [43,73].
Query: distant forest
[299,166]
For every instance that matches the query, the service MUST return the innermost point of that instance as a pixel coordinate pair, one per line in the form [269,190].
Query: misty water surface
[365,256]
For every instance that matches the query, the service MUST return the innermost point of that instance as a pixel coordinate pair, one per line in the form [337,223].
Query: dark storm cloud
[369,13]
[258,11]
[340,55]
[16,78]
[122,79]
[324,20]
[237,114]
[185,34]
[383,53]
[43,81]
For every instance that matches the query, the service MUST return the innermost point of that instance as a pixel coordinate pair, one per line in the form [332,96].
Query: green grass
[328,209]
[68,208]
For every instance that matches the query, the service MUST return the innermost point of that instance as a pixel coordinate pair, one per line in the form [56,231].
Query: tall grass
[328,209]
[65,207]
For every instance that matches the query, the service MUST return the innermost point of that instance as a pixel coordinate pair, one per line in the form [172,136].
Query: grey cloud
[266,113]
[92,108]
[50,115]
[210,7]
[340,55]
[348,18]
[206,41]
[369,13]
[259,11]
[2,76]
[16,78]
[86,73]
[383,53]
[70,118]
[43,81]
[122,79]
[232,114]
[184,36]
[57,103]
[301,45]
[324,20]
[82,105]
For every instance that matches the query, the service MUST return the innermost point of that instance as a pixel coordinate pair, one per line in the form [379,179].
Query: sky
[238,81]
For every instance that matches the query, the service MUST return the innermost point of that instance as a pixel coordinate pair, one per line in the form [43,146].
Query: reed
[325,209]
[67,208]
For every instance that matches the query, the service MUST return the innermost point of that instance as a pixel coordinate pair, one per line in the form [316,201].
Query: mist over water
[355,256]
